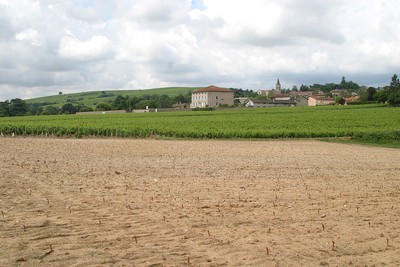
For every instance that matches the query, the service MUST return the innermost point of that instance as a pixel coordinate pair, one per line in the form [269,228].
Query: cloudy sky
[47,46]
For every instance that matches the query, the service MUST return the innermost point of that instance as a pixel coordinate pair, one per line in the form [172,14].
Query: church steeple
[278,86]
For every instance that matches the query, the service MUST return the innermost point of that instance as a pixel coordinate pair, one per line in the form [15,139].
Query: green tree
[381,96]
[147,103]
[340,100]
[179,99]
[49,110]
[371,91]
[121,102]
[343,82]
[5,109]
[68,109]
[394,84]
[85,109]
[34,109]
[165,101]
[304,88]
[103,106]
[394,91]
[350,85]
[17,107]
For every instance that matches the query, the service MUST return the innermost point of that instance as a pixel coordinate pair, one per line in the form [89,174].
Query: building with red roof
[212,96]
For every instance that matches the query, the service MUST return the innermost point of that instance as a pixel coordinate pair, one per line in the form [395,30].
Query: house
[212,96]
[263,92]
[241,100]
[318,100]
[296,94]
[351,99]
[337,92]
[302,101]
[278,97]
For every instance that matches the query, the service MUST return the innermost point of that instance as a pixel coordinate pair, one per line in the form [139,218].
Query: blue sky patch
[198,4]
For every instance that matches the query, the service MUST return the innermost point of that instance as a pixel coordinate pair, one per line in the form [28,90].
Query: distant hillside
[92,98]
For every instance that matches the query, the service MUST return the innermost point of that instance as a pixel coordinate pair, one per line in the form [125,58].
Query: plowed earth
[129,202]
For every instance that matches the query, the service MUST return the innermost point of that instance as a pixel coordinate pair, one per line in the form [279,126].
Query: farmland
[91,98]
[146,202]
[369,123]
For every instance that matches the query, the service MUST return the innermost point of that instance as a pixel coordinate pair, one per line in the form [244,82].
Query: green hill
[91,98]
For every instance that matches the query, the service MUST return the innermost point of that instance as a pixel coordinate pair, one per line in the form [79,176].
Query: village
[213,97]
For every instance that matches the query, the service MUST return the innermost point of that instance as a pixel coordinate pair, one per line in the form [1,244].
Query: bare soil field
[130,202]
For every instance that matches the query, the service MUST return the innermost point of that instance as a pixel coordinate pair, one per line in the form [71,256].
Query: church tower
[278,87]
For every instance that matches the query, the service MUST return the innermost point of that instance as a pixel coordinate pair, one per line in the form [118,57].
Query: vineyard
[369,123]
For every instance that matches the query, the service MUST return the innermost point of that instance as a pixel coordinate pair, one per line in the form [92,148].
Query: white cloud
[97,47]
[50,46]
[29,35]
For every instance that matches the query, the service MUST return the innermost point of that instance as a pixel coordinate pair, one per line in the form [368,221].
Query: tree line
[17,107]
[129,103]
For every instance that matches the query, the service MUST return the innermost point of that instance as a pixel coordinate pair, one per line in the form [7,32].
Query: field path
[135,202]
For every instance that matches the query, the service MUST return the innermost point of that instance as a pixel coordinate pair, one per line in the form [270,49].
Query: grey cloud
[300,21]
[159,14]
[7,30]
[163,42]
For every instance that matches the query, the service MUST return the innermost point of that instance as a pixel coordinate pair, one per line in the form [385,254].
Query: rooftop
[212,88]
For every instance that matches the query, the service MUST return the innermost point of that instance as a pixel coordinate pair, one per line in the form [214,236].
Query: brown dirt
[127,202]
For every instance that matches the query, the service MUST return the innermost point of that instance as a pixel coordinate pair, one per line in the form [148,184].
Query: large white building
[212,97]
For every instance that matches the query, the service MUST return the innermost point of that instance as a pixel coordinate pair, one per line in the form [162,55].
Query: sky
[52,46]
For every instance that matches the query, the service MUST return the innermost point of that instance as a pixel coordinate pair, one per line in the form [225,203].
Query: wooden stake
[267,250]
[333,245]
[135,238]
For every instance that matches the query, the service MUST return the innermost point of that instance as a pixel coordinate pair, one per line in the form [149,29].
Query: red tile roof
[212,88]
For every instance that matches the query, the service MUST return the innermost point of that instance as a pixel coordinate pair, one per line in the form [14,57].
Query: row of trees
[389,94]
[129,103]
[326,88]
[18,107]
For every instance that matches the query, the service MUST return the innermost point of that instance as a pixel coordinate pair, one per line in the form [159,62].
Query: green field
[368,123]
[90,99]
